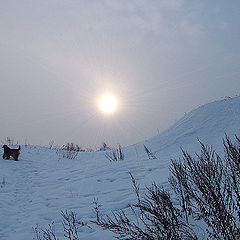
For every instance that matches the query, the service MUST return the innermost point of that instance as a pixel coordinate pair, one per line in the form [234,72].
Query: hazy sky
[160,58]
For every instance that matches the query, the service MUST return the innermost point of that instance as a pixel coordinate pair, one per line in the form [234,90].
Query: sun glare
[108,104]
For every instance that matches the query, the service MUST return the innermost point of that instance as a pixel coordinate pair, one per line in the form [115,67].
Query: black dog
[8,152]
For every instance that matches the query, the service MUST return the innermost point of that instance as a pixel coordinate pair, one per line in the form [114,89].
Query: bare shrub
[149,153]
[51,144]
[104,147]
[115,155]
[96,209]
[155,218]
[89,149]
[67,154]
[8,141]
[69,147]
[72,147]
[71,226]
[45,234]
[207,189]
[69,150]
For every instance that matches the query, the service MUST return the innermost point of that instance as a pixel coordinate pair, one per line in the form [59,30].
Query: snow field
[36,188]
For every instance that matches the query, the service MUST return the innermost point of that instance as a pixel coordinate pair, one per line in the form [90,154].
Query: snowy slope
[209,123]
[35,189]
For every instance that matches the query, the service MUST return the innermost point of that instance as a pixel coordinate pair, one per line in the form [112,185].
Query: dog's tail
[19,147]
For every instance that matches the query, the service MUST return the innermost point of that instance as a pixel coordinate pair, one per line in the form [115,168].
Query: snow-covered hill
[35,189]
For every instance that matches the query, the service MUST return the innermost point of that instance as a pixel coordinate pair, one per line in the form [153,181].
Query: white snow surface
[36,188]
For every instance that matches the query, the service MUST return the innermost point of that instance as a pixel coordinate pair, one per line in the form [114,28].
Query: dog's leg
[6,156]
[15,156]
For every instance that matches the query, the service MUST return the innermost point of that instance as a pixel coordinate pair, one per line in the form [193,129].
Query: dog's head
[5,146]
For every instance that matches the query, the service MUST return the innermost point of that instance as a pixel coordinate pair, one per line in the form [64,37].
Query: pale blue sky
[160,58]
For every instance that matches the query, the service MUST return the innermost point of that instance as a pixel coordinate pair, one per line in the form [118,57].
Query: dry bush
[67,154]
[72,147]
[149,153]
[8,141]
[207,190]
[45,234]
[69,150]
[71,226]
[104,147]
[115,155]
[51,144]
[155,215]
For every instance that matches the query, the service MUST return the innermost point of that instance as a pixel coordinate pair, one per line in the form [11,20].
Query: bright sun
[108,104]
